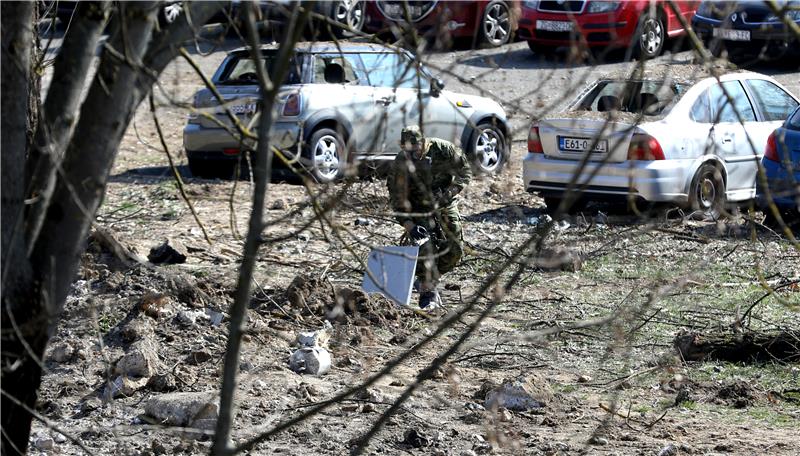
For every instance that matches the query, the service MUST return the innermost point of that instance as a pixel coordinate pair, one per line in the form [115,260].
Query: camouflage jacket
[413,184]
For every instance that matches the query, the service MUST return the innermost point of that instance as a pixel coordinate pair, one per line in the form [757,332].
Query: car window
[324,66]
[242,70]
[723,111]
[772,101]
[392,70]
[651,98]
[701,111]
[794,121]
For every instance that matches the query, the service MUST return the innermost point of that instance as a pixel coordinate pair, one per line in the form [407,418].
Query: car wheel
[650,36]
[707,192]
[488,149]
[496,24]
[328,156]
[350,12]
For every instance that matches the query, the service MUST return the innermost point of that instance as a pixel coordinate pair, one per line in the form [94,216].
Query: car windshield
[794,121]
[242,70]
[651,98]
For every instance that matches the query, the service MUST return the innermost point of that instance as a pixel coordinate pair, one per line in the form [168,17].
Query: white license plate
[397,10]
[732,35]
[244,109]
[554,26]
[572,144]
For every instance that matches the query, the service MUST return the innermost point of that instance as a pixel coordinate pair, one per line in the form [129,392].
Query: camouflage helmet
[411,134]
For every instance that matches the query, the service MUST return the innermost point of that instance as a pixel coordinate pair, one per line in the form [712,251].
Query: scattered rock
[739,394]
[199,410]
[170,251]
[360,221]
[278,205]
[188,318]
[349,407]
[141,360]
[503,415]
[162,383]
[367,408]
[549,422]
[63,352]
[59,437]
[584,379]
[485,388]
[597,440]
[199,356]
[44,444]
[317,338]
[519,394]
[124,386]
[154,304]
[559,259]
[416,439]
[370,394]
[669,450]
[310,360]
[158,448]
[474,407]
[725,447]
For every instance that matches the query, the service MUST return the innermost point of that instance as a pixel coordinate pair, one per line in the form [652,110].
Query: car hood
[477,102]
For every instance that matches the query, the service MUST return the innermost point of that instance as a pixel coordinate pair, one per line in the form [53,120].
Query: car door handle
[727,139]
[386,101]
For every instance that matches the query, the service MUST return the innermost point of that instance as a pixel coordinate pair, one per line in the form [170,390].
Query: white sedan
[677,135]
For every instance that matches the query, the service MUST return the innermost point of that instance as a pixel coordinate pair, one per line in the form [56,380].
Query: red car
[487,22]
[642,25]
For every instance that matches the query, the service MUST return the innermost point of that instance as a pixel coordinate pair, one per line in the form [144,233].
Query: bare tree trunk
[35,284]
[21,345]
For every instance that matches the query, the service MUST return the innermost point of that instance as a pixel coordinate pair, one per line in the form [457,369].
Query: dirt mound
[739,394]
[315,296]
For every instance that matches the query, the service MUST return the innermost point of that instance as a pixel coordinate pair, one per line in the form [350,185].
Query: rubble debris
[154,304]
[416,439]
[519,394]
[361,221]
[310,360]
[162,383]
[199,356]
[63,352]
[170,251]
[198,410]
[559,259]
[123,385]
[318,338]
[141,360]
[188,318]
[738,394]
[750,346]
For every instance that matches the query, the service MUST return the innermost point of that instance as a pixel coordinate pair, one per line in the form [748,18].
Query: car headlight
[603,7]
[532,4]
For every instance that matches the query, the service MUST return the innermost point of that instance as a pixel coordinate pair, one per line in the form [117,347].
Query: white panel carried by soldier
[424,182]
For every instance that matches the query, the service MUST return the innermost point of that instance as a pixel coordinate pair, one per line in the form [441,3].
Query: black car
[748,30]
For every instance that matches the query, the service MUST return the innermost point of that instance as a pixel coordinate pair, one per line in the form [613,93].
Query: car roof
[321,47]
[685,73]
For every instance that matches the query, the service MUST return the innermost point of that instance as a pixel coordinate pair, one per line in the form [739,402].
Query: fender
[478,117]
[329,114]
[700,161]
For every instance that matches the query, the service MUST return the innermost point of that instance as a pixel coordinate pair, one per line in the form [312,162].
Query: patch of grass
[773,417]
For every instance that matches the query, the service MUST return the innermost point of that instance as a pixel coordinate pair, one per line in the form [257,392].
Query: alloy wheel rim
[487,150]
[707,193]
[326,157]
[652,36]
[350,12]
[496,26]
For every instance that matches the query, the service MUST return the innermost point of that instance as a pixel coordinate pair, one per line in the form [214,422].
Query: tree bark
[745,347]
[21,346]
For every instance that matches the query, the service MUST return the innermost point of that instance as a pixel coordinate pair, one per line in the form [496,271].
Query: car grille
[395,10]
[561,6]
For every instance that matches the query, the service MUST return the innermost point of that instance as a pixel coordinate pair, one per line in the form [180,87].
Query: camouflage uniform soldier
[424,181]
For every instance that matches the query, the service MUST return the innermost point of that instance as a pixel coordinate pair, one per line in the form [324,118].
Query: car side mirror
[436,87]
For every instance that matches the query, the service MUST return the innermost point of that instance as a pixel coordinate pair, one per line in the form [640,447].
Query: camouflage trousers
[444,249]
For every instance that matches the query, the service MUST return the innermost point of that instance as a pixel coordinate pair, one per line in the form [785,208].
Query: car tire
[488,151]
[651,33]
[350,12]
[496,25]
[541,49]
[327,154]
[707,192]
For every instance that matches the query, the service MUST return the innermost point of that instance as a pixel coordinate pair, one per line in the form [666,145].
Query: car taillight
[534,142]
[771,152]
[644,147]
[292,105]
[231,151]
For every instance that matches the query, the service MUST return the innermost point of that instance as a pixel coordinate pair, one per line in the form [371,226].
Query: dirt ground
[618,388]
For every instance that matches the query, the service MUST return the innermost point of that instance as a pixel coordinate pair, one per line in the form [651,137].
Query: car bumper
[775,39]
[600,29]
[783,187]
[656,181]
[286,136]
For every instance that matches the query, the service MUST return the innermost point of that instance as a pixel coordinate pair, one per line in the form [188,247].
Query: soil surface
[612,388]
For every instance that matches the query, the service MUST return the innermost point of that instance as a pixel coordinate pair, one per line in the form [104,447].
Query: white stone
[141,360]
[519,394]
[310,360]
[198,410]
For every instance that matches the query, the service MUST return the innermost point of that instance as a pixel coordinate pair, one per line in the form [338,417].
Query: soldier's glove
[418,235]
[444,197]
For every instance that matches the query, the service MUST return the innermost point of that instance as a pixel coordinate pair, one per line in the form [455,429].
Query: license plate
[244,109]
[554,26]
[732,35]
[571,144]
[397,10]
